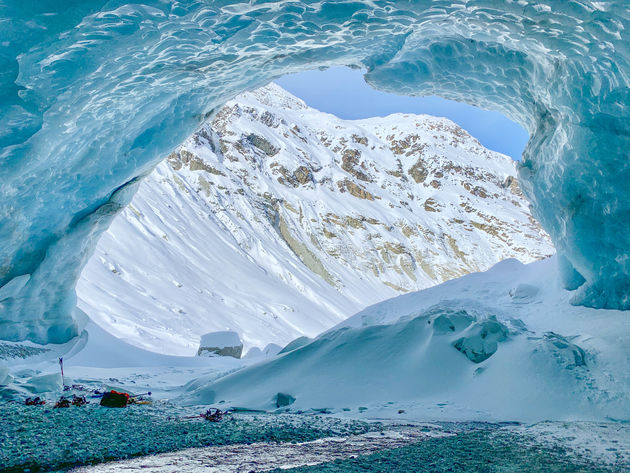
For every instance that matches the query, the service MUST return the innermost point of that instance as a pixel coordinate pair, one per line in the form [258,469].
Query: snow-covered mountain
[277,220]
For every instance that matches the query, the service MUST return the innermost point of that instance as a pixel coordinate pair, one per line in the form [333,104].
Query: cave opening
[331,197]
[85,125]
[96,95]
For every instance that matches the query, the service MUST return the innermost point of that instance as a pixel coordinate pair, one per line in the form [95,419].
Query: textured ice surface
[94,93]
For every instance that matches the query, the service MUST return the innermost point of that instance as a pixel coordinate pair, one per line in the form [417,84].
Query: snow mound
[464,349]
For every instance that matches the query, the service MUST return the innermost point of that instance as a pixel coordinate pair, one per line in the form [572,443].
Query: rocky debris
[16,350]
[350,163]
[185,158]
[225,343]
[479,192]
[302,175]
[431,205]
[418,171]
[283,400]
[262,144]
[511,183]
[91,435]
[354,189]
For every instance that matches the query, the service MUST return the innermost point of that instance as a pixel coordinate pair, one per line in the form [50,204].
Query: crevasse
[95,93]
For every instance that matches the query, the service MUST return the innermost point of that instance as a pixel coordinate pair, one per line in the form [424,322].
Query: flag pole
[63,383]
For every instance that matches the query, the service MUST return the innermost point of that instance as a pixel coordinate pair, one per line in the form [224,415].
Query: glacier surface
[95,93]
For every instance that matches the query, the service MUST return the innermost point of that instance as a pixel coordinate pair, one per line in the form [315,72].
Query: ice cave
[512,356]
[95,93]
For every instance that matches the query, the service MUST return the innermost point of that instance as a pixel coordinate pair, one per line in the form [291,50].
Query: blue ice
[95,93]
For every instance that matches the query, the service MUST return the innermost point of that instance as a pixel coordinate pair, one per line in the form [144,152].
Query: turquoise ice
[94,93]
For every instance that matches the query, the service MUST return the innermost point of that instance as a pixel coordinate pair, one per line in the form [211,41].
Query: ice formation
[95,93]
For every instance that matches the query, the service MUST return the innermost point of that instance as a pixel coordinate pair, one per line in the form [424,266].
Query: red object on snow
[115,399]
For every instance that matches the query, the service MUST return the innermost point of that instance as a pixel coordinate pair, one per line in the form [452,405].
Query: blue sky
[343,92]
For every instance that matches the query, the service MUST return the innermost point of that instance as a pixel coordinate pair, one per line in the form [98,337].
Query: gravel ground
[265,456]
[38,438]
[480,451]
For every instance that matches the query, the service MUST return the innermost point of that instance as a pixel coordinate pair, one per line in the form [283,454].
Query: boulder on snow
[295,344]
[481,340]
[226,343]
[283,400]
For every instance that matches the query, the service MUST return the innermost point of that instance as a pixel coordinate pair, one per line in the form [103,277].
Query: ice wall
[94,93]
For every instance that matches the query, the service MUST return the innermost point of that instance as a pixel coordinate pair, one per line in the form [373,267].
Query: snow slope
[276,220]
[503,344]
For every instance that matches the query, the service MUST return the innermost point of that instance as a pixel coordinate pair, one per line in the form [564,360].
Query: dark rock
[283,400]
[262,144]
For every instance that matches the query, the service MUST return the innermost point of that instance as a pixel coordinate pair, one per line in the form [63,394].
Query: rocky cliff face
[277,220]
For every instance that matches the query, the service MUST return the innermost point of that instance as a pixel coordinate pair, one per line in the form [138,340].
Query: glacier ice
[95,93]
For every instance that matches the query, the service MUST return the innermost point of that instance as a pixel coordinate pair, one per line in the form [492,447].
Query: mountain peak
[276,220]
[272,96]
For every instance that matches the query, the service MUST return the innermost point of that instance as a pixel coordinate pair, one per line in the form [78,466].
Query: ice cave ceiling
[94,93]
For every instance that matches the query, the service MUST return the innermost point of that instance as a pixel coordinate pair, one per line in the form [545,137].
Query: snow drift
[94,94]
[504,344]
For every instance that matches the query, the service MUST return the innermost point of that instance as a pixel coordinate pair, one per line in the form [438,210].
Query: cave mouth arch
[316,215]
[95,94]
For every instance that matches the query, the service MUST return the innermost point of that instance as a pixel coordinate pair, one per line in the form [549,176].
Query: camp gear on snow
[213,415]
[63,383]
[78,400]
[114,399]
[62,402]
[34,401]
[140,401]
[130,398]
